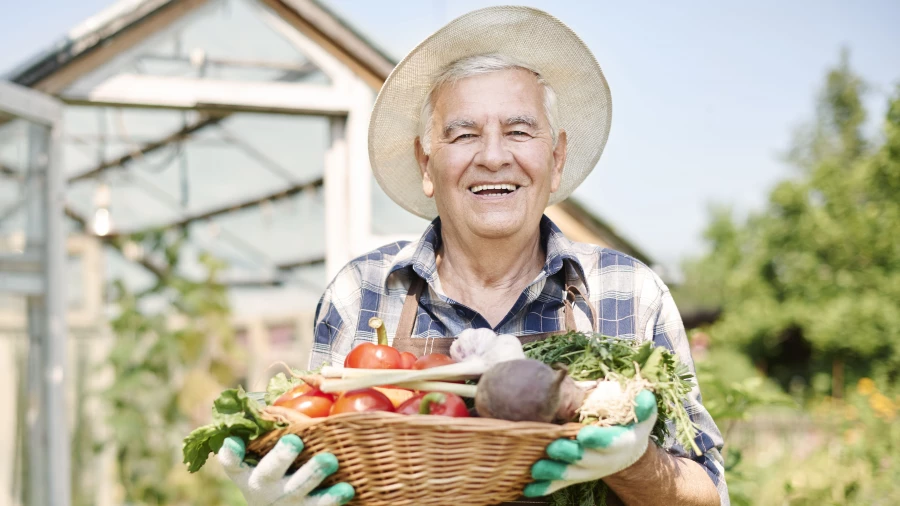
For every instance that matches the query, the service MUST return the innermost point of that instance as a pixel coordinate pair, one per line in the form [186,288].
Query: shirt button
[461,312]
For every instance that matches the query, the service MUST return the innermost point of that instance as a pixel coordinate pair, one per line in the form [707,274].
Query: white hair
[479,65]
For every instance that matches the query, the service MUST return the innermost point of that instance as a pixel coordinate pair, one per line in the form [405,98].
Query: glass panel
[22,152]
[75,282]
[390,219]
[232,40]
[234,159]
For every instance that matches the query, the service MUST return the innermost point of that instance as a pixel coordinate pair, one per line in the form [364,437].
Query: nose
[494,155]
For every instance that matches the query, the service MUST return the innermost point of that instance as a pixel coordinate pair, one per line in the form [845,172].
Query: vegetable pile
[574,377]
[302,395]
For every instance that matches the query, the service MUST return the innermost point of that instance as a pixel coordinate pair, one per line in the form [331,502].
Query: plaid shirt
[628,299]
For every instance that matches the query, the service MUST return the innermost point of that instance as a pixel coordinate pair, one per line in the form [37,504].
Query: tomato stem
[429,399]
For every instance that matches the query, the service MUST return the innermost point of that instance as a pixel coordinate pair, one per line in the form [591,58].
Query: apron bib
[403,340]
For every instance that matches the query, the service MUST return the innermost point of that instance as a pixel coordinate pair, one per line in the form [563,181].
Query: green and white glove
[596,452]
[266,483]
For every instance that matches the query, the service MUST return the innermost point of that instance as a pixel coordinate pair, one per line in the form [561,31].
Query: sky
[706,94]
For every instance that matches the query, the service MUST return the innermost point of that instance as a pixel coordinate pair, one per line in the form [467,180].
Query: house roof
[602,230]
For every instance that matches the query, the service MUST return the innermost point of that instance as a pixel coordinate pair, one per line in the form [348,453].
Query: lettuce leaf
[278,385]
[234,414]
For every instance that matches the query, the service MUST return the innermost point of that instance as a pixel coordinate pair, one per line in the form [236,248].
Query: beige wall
[574,230]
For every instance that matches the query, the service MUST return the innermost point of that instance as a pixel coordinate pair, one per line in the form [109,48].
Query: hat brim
[524,34]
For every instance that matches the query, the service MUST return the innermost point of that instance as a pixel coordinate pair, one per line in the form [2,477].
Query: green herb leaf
[234,414]
[278,385]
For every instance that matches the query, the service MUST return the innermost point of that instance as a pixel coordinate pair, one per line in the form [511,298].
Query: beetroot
[527,390]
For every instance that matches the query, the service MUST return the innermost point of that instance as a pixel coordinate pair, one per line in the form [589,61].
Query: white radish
[499,349]
[328,371]
[610,403]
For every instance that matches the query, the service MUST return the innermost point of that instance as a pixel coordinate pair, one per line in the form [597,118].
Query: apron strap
[410,309]
[572,294]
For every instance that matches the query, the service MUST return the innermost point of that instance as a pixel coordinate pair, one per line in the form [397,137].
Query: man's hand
[267,485]
[596,453]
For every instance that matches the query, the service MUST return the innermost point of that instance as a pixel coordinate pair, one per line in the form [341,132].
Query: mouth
[493,190]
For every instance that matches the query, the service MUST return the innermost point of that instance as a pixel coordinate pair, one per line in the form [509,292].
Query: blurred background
[180,179]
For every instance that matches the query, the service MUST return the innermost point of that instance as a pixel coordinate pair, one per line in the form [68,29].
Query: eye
[464,136]
[518,133]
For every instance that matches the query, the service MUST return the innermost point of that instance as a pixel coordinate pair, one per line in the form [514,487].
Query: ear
[559,161]
[422,158]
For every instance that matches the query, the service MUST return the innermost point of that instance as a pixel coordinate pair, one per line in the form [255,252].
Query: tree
[809,286]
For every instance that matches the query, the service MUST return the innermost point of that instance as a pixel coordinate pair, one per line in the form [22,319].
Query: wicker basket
[398,460]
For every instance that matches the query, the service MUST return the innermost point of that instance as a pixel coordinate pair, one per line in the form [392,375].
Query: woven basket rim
[420,422]
[472,423]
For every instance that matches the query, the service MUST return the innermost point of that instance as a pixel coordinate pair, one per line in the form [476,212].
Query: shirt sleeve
[335,318]
[663,325]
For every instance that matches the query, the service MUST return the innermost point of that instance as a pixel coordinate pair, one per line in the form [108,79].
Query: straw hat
[524,34]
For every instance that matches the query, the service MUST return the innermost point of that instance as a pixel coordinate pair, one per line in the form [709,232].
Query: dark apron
[404,341]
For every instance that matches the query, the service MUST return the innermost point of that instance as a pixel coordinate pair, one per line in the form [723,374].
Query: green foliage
[808,289]
[845,454]
[281,383]
[234,414]
[733,389]
[819,268]
[582,494]
[167,365]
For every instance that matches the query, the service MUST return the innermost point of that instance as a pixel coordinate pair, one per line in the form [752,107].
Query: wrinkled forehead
[507,86]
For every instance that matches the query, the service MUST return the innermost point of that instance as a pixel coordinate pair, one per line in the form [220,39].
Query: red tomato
[408,359]
[366,399]
[373,356]
[299,391]
[295,392]
[313,406]
[438,403]
[433,360]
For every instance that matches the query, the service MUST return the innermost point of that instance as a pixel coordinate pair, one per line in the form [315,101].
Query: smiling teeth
[482,187]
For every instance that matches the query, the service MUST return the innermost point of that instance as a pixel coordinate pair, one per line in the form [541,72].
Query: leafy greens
[235,413]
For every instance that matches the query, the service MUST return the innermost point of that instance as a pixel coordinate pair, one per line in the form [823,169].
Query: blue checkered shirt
[628,300]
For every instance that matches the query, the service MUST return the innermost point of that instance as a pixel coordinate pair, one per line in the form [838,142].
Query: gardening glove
[266,483]
[596,452]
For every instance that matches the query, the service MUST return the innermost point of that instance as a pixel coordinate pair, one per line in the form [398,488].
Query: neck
[469,264]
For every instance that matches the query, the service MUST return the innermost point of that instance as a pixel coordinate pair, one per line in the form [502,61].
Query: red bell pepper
[435,403]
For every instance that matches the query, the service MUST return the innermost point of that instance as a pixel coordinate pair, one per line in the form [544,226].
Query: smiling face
[493,163]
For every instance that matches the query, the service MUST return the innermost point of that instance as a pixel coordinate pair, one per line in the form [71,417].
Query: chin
[496,227]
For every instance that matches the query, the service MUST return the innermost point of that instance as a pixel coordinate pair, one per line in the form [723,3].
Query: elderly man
[488,121]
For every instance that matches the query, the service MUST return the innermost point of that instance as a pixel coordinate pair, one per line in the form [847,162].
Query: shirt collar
[560,253]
